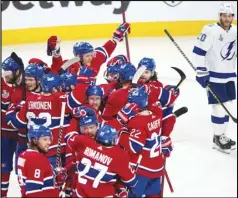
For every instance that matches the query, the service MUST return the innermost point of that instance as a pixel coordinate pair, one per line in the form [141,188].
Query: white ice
[194,168]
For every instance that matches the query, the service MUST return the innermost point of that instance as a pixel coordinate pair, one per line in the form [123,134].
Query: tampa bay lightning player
[215,59]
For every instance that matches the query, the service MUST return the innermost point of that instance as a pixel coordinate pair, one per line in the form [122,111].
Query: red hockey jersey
[102,54]
[43,110]
[98,167]
[144,138]
[7,90]
[35,175]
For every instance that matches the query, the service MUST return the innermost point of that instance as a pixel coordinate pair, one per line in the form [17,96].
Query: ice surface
[194,168]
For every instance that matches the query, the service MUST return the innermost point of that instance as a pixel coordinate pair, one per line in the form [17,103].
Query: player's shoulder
[234,27]
[32,158]
[209,28]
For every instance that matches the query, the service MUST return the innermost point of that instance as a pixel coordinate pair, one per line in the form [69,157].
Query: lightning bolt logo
[228,51]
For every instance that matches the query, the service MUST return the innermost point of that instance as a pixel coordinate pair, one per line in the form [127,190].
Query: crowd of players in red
[109,140]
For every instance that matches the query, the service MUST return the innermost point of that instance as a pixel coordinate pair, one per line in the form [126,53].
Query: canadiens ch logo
[172,3]
[228,51]
[5,94]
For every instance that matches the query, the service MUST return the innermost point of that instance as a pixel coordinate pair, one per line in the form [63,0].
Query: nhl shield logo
[172,3]
[5,94]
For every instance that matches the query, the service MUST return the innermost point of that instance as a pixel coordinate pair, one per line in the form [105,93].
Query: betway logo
[21,5]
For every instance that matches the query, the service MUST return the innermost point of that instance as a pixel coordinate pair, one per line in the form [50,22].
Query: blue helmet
[107,135]
[126,72]
[139,96]
[9,64]
[117,60]
[89,116]
[94,90]
[82,48]
[37,131]
[149,63]
[114,69]
[34,70]
[67,80]
[49,81]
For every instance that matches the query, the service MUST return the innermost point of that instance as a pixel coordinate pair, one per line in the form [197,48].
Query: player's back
[146,130]
[115,102]
[46,110]
[35,175]
[98,166]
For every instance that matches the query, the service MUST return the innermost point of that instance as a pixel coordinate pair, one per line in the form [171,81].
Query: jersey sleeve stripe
[34,182]
[199,51]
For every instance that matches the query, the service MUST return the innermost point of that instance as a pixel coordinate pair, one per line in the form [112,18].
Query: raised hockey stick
[58,159]
[127,41]
[182,76]
[70,62]
[137,76]
[208,85]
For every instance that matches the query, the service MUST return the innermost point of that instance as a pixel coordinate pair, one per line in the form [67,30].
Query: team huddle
[73,137]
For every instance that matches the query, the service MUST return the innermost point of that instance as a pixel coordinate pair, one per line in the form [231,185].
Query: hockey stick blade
[70,62]
[180,111]
[182,76]
[138,74]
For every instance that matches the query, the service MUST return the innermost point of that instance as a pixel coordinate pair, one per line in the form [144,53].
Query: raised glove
[167,146]
[121,31]
[202,76]
[172,88]
[78,112]
[60,176]
[127,112]
[37,61]
[53,46]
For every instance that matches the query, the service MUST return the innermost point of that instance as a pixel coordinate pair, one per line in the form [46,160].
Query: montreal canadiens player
[146,138]
[90,59]
[215,59]
[100,161]
[35,173]
[12,72]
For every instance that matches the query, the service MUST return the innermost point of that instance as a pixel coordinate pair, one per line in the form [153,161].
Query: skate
[231,142]
[221,143]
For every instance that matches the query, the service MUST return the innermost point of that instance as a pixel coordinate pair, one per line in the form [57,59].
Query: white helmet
[226,8]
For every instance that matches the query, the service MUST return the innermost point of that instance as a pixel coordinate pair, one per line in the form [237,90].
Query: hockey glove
[60,176]
[37,61]
[19,105]
[53,46]
[121,192]
[78,112]
[121,31]
[167,146]
[172,87]
[202,76]
[127,112]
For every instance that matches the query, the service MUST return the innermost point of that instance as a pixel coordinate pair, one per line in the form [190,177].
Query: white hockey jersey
[216,49]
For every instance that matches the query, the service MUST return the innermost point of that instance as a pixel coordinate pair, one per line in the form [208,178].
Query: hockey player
[32,77]
[12,70]
[89,58]
[215,59]
[147,139]
[35,173]
[100,161]
[44,109]
[68,82]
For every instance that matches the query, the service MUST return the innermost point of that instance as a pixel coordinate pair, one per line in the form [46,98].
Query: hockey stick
[177,113]
[127,41]
[208,86]
[58,159]
[137,76]
[70,62]
[182,76]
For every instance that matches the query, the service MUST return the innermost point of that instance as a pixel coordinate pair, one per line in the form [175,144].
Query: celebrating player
[99,163]
[35,173]
[215,59]
[145,138]
[12,70]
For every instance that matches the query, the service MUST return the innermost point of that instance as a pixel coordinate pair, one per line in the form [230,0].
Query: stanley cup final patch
[172,3]
[5,94]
